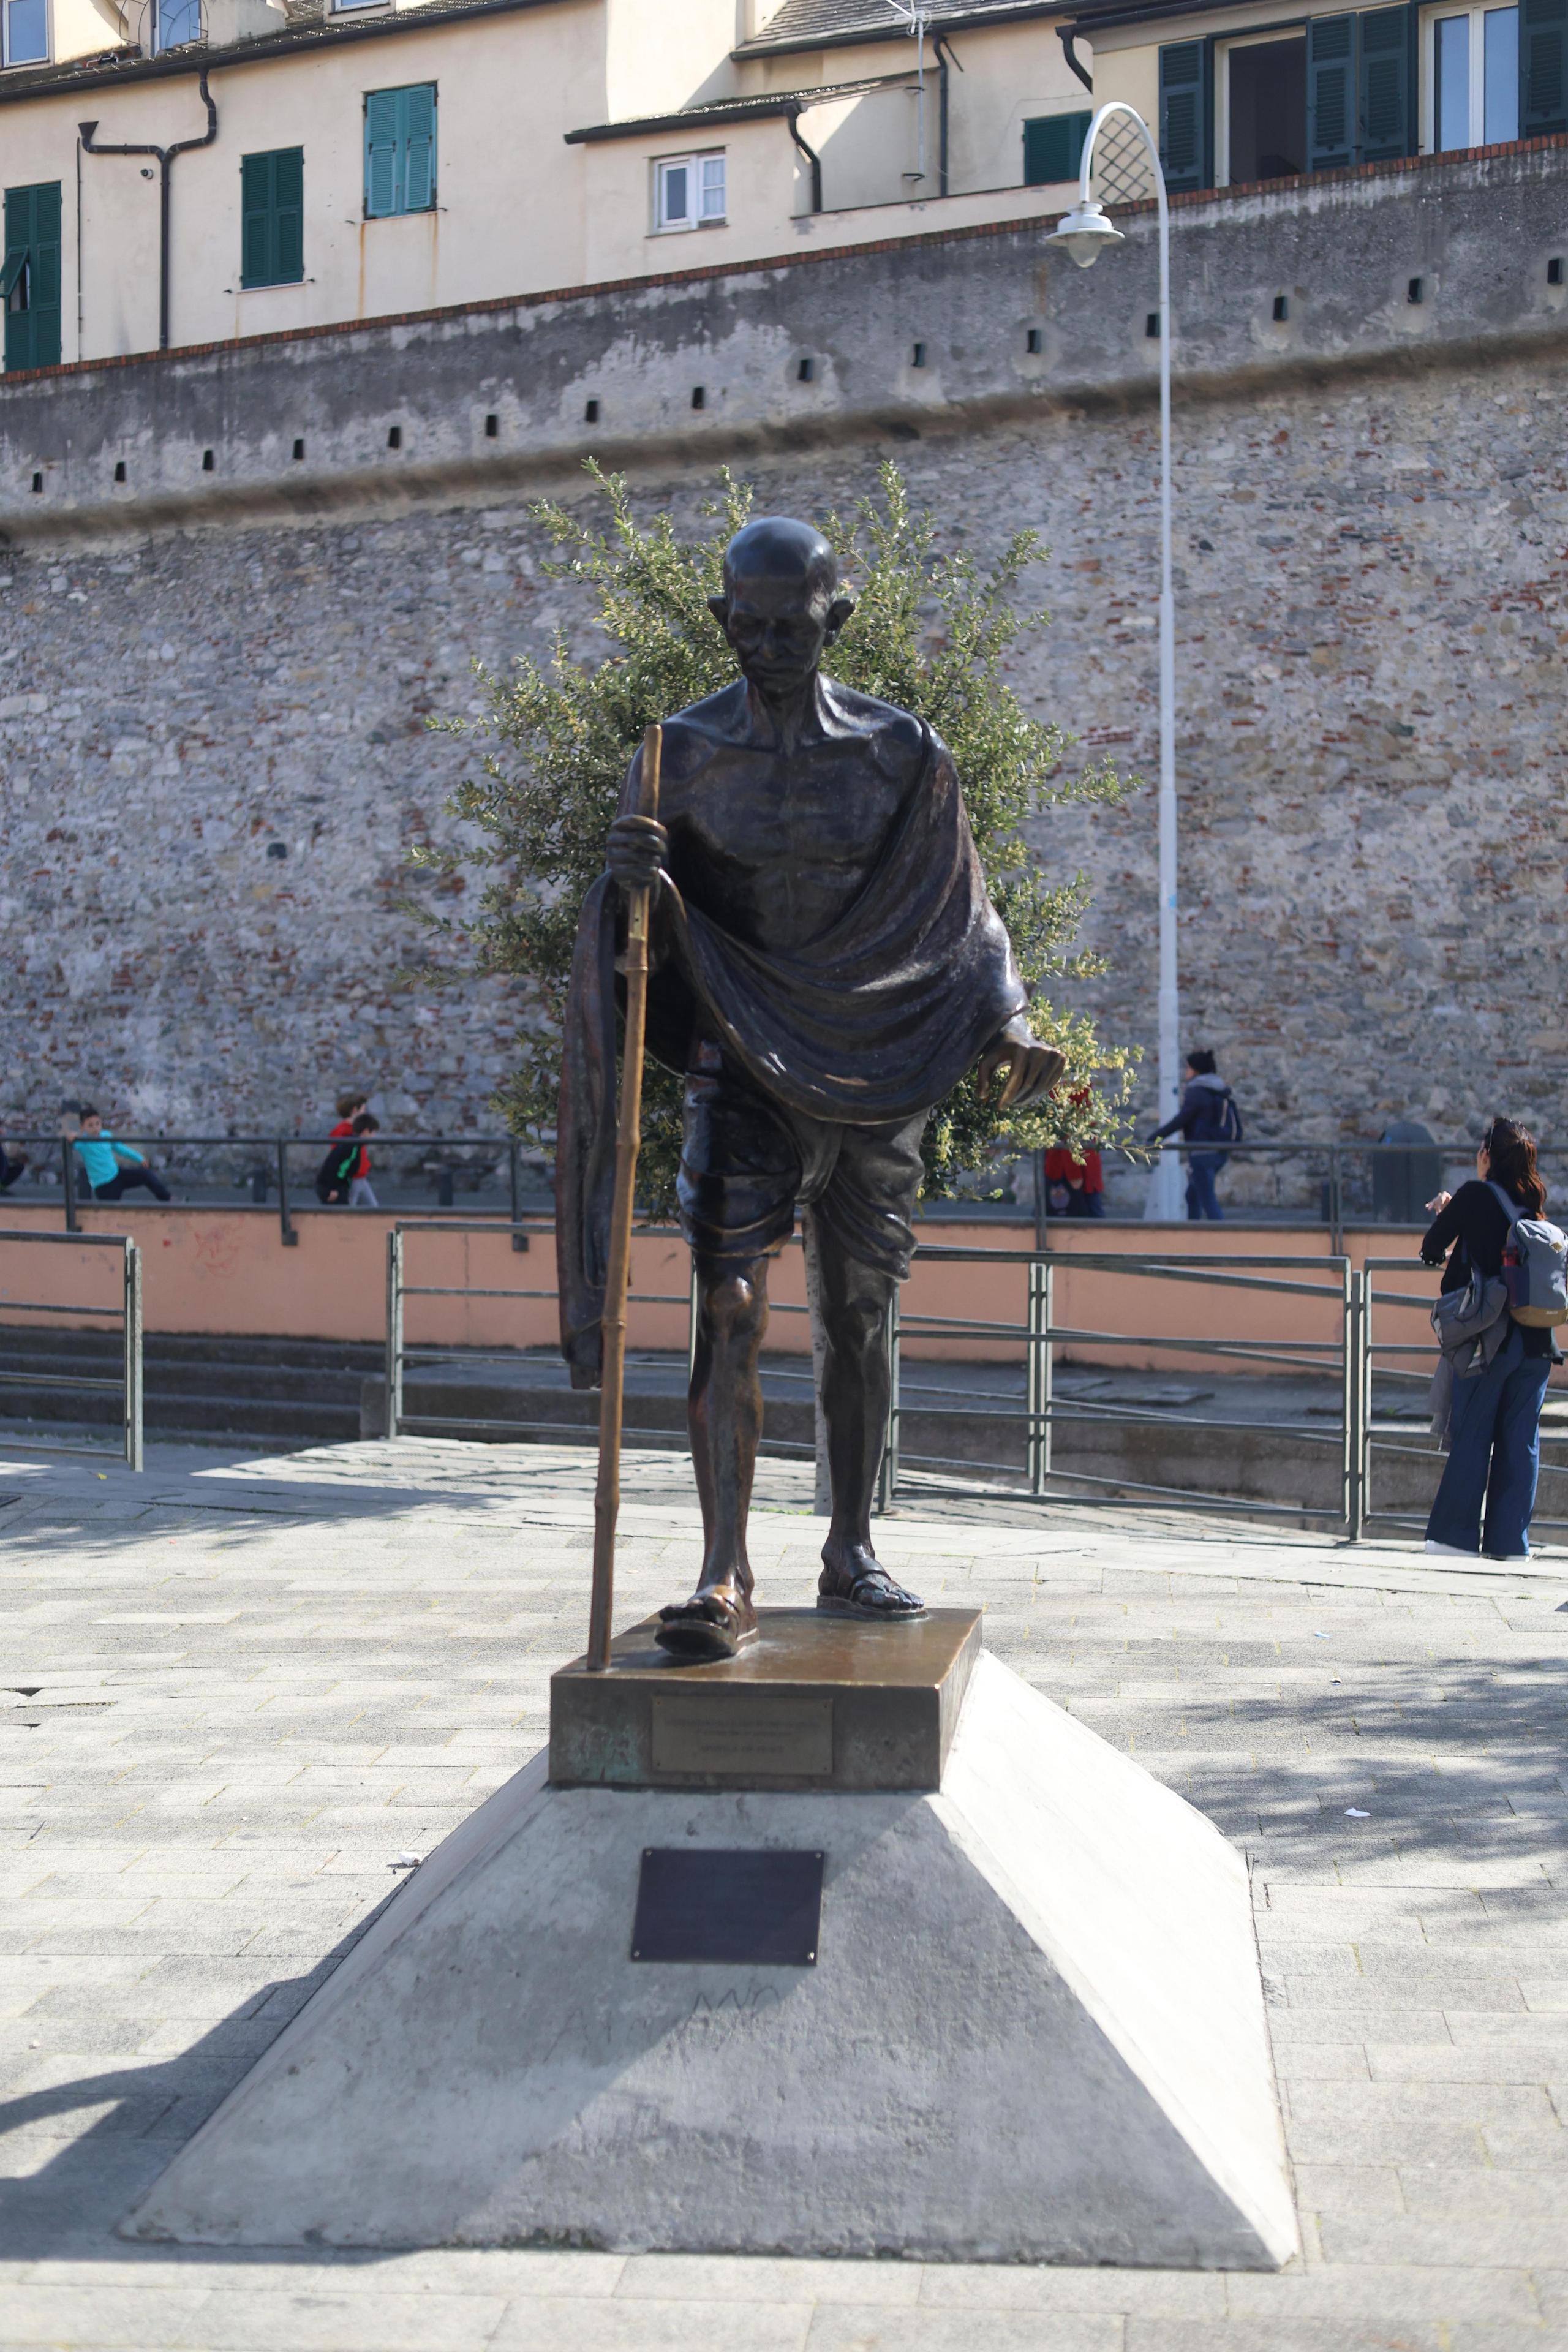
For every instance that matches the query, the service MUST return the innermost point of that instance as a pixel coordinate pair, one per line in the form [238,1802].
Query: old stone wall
[214,755]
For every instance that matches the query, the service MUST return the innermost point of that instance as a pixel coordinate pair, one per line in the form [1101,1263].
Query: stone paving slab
[237,1690]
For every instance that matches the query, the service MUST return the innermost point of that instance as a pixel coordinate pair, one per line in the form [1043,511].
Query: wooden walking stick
[629,1137]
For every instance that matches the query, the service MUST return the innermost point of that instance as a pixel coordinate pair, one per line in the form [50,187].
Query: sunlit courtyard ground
[235,1690]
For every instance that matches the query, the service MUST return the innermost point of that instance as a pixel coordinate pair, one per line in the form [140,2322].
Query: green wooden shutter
[256,220]
[382,154]
[1543,68]
[1184,115]
[1053,148]
[419,147]
[32,272]
[272,217]
[289,212]
[1331,92]
[1385,84]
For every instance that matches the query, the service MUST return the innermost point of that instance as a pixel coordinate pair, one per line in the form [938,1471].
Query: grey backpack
[1535,1267]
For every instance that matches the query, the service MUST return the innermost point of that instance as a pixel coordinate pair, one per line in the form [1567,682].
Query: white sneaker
[1451,1551]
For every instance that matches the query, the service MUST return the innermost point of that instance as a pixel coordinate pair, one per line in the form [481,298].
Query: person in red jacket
[1074,1188]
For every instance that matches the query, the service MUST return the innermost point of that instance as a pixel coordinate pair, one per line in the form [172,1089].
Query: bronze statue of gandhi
[825,966]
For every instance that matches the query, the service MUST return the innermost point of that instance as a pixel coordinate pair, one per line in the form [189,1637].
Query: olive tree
[932,631]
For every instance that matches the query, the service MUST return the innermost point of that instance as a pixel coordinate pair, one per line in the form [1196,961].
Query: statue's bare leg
[856,1380]
[724,1413]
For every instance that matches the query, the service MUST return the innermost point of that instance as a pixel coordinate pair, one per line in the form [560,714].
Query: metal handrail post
[1336,1202]
[287,1234]
[1038,1376]
[514,1180]
[888,1475]
[393,1332]
[132,1334]
[68,1176]
[1363,1400]
[1349,1410]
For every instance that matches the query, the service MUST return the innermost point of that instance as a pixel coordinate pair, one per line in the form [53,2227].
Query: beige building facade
[182,173]
[190,171]
[1250,92]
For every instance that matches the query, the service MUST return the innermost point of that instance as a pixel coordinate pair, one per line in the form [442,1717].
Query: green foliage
[930,632]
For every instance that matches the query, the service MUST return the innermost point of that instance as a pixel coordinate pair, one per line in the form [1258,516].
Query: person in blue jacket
[1208,1114]
[111,1167]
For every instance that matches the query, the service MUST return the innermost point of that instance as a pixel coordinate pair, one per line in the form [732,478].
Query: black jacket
[1209,1108]
[1470,1231]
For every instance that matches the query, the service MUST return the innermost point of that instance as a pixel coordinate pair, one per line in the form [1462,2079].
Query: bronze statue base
[814,1702]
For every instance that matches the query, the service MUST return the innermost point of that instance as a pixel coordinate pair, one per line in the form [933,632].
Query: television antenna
[915,16]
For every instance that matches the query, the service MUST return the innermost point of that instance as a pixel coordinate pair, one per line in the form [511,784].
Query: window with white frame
[1472,78]
[175,23]
[688,192]
[27,28]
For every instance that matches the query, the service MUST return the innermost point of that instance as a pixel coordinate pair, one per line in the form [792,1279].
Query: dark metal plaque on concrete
[757,1906]
[752,1732]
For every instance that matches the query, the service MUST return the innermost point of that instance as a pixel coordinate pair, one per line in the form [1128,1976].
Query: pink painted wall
[226,1271]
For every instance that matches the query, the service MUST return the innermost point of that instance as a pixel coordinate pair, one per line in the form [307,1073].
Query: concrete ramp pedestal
[1024,2024]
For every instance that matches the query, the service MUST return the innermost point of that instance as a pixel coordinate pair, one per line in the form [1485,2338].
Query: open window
[1267,102]
[1262,110]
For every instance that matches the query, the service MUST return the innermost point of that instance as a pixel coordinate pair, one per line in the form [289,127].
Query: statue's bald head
[781,606]
[775,548]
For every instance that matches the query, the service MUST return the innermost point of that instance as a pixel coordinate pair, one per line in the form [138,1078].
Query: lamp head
[1085,232]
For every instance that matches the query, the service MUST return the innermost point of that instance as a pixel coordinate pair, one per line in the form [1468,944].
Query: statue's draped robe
[875,1020]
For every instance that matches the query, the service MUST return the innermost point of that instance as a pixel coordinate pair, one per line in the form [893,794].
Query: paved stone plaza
[240,1689]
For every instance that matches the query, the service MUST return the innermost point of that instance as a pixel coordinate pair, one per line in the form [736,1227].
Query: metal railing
[262,1165]
[1052,1420]
[1335,1184]
[1041,1470]
[1390,1435]
[1293,1179]
[127,1385]
[447,1357]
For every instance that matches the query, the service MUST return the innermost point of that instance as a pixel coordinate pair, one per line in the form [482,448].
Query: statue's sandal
[874,1597]
[707,1626]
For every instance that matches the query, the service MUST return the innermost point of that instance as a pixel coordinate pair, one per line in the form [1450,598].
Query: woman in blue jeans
[1494,1442]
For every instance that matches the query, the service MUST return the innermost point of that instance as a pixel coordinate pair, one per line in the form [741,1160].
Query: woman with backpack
[1494,1441]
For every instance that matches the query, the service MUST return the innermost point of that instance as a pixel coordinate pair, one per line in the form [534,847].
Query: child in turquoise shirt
[111,1167]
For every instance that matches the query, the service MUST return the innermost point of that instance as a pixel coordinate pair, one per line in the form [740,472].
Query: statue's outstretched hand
[1033,1069]
[638,848]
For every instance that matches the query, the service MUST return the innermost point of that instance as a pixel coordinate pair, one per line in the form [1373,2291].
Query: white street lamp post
[1085,232]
